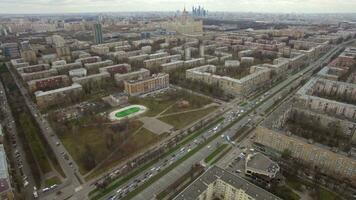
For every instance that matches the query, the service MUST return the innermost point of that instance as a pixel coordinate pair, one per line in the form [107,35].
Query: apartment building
[153,83]
[38,75]
[114,69]
[217,183]
[301,149]
[306,97]
[140,74]
[34,68]
[96,65]
[58,96]
[49,83]
[237,87]
[94,79]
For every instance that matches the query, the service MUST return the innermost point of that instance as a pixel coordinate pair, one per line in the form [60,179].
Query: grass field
[154,105]
[142,139]
[160,102]
[100,140]
[127,112]
[181,120]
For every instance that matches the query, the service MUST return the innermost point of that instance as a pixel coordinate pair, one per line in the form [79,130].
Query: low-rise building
[58,96]
[260,166]
[96,65]
[38,75]
[80,72]
[64,69]
[114,69]
[49,83]
[236,87]
[94,79]
[34,68]
[140,74]
[86,60]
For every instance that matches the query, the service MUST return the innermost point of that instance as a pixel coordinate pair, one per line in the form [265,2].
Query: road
[273,95]
[73,179]
[18,158]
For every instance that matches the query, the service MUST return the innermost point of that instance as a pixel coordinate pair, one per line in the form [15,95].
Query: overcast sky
[68,6]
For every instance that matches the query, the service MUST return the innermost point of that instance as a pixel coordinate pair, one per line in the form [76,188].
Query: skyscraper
[98,34]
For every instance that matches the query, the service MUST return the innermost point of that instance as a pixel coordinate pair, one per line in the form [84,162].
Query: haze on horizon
[270,6]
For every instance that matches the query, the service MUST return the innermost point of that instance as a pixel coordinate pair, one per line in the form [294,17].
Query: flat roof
[261,162]
[216,173]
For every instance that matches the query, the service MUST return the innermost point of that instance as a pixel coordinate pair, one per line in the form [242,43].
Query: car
[25,183]
[45,189]
[35,194]
[238,171]
[208,147]
[53,186]
[57,143]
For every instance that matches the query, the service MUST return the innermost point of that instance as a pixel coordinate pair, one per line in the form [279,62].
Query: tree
[286,154]
[88,157]
[109,139]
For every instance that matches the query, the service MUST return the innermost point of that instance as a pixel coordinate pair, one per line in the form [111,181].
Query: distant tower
[184,16]
[98,34]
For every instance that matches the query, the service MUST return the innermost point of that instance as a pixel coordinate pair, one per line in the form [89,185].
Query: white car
[25,183]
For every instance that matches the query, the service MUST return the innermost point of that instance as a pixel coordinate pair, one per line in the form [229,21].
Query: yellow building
[138,87]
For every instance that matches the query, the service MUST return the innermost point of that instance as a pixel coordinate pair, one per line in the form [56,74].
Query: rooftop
[215,173]
[261,162]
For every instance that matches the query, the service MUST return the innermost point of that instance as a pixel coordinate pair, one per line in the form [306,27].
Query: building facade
[138,87]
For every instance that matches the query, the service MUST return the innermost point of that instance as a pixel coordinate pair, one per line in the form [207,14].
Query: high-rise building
[98,34]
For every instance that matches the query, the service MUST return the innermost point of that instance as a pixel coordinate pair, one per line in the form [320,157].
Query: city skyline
[79,6]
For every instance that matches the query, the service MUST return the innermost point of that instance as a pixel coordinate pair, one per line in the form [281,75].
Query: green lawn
[180,121]
[127,112]
[221,155]
[155,105]
[327,195]
[160,102]
[212,155]
[286,193]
